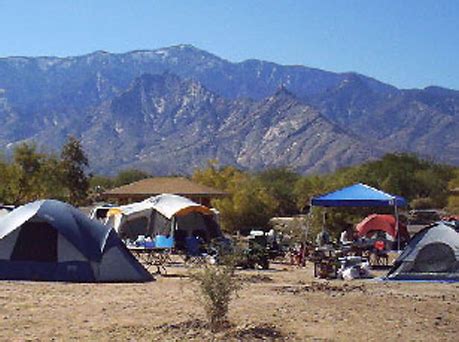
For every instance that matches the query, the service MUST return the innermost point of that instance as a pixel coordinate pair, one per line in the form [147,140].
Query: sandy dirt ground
[284,303]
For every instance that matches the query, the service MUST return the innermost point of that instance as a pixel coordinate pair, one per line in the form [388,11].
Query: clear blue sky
[408,43]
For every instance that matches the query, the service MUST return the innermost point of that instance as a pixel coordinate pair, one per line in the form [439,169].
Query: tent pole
[173,224]
[397,225]
[308,224]
[324,219]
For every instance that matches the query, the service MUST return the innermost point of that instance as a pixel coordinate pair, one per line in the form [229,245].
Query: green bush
[217,285]
[422,203]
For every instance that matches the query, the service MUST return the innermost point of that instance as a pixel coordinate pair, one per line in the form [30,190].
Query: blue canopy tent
[360,195]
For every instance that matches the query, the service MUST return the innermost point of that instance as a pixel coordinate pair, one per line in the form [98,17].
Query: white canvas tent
[166,214]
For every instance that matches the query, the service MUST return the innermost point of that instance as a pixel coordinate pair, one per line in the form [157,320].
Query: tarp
[378,222]
[358,195]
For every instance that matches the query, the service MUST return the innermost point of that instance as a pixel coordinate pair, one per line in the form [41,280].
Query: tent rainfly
[53,241]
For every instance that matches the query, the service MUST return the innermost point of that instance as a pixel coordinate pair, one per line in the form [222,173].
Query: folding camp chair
[194,255]
[379,253]
[160,255]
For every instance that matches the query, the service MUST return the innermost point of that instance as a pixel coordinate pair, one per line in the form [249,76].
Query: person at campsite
[323,238]
[298,255]
[347,236]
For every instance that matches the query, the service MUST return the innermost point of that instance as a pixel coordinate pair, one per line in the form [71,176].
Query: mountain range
[170,110]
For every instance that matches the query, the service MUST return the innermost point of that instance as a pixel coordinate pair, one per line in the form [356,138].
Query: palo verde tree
[248,204]
[280,185]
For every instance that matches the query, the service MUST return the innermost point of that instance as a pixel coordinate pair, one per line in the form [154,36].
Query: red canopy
[378,222]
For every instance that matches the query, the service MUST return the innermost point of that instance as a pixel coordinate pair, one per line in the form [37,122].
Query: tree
[30,176]
[130,176]
[74,163]
[24,174]
[307,187]
[280,184]
[249,203]
[101,182]
[224,178]
[453,199]
[50,179]
[4,182]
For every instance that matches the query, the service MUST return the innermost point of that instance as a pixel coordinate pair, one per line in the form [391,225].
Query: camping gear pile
[325,262]
[353,267]
[254,254]
[432,254]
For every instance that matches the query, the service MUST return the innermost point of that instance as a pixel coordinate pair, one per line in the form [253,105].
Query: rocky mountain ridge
[170,110]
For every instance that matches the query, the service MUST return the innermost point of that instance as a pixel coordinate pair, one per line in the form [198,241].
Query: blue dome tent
[52,241]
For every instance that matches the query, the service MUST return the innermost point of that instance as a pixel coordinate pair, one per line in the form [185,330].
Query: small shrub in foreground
[217,285]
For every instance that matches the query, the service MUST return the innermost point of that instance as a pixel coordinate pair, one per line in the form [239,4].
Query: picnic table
[152,257]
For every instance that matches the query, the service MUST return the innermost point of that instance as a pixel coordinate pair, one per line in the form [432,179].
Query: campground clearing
[284,303]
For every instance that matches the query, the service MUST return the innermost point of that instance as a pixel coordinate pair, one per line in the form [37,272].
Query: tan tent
[167,215]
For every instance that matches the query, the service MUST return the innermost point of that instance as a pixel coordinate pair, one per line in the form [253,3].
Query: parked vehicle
[419,219]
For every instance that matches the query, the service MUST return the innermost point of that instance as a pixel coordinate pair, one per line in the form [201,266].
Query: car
[420,218]
[100,212]
[6,209]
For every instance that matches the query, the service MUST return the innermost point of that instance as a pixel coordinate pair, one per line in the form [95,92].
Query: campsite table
[157,257]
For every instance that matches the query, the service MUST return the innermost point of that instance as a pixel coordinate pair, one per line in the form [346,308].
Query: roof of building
[161,185]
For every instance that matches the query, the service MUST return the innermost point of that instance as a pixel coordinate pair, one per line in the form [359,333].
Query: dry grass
[280,304]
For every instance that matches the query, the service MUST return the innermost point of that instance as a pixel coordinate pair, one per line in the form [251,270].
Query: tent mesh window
[212,225]
[135,227]
[160,224]
[101,213]
[37,241]
[191,224]
[197,224]
[435,257]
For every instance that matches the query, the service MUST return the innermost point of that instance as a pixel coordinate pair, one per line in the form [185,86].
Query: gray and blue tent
[432,254]
[53,241]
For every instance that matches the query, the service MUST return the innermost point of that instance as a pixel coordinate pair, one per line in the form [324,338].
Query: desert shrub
[422,203]
[217,286]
